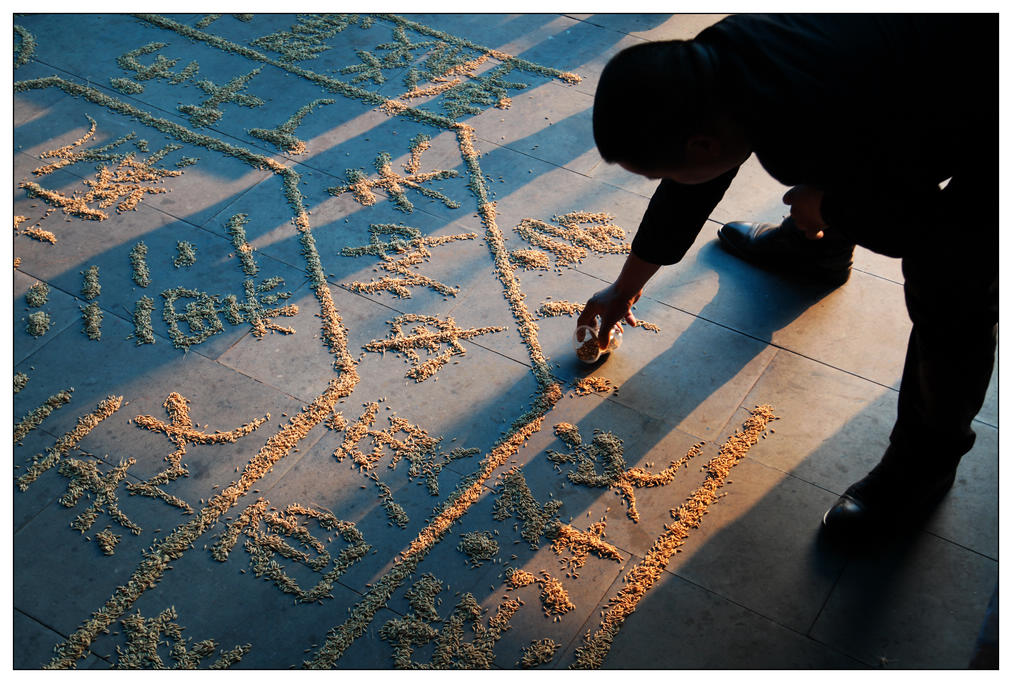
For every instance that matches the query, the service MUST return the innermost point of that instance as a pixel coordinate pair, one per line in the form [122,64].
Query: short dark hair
[650,99]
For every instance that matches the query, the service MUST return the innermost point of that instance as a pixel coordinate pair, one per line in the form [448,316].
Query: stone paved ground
[320,429]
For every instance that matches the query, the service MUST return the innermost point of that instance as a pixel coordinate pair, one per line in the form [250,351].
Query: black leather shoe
[886,500]
[784,248]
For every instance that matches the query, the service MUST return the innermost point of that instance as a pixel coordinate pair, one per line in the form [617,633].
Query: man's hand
[614,302]
[806,210]
[612,306]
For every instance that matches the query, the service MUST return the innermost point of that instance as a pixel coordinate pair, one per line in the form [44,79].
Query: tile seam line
[765,617]
[784,348]
[86,82]
[44,625]
[755,382]
[778,346]
[825,602]
[588,627]
[978,553]
[45,343]
[924,530]
[802,355]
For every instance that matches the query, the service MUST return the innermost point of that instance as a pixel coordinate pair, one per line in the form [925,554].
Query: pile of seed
[590,385]
[532,230]
[235,230]
[143,331]
[568,433]
[336,422]
[27,47]
[38,323]
[128,183]
[20,381]
[394,183]
[37,295]
[84,477]
[264,547]
[69,154]
[479,546]
[126,86]
[354,434]
[554,598]
[207,113]
[307,37]
[92,316]
[207,20]
[531,259]
[107,541]
[37,233]
[518,578]
[599,236]
[395,513]
[160,68]
[562,307]
[139,266]
[422,596]
[432,469]
[186,254]
[608,448]
[414,253]
[91,288]
[538,652]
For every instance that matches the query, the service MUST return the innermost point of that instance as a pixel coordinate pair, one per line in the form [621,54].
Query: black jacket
[875,110]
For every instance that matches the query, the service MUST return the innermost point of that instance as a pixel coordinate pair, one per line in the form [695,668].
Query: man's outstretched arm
[672,222]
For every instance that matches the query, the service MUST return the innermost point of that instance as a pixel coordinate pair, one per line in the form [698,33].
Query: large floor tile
[31,645]
[918,605]
[969,514]
[551,122]
[861,327]
[769,524]
[679,625]
[834,427]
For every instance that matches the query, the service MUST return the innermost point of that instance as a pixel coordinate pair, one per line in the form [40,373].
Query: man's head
[655,114]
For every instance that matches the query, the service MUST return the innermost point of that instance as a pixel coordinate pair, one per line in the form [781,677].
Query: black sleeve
[675,216]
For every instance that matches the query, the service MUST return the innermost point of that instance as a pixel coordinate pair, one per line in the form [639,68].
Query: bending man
[885,127]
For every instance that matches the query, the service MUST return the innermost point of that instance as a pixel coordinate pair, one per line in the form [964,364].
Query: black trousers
[951,290]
